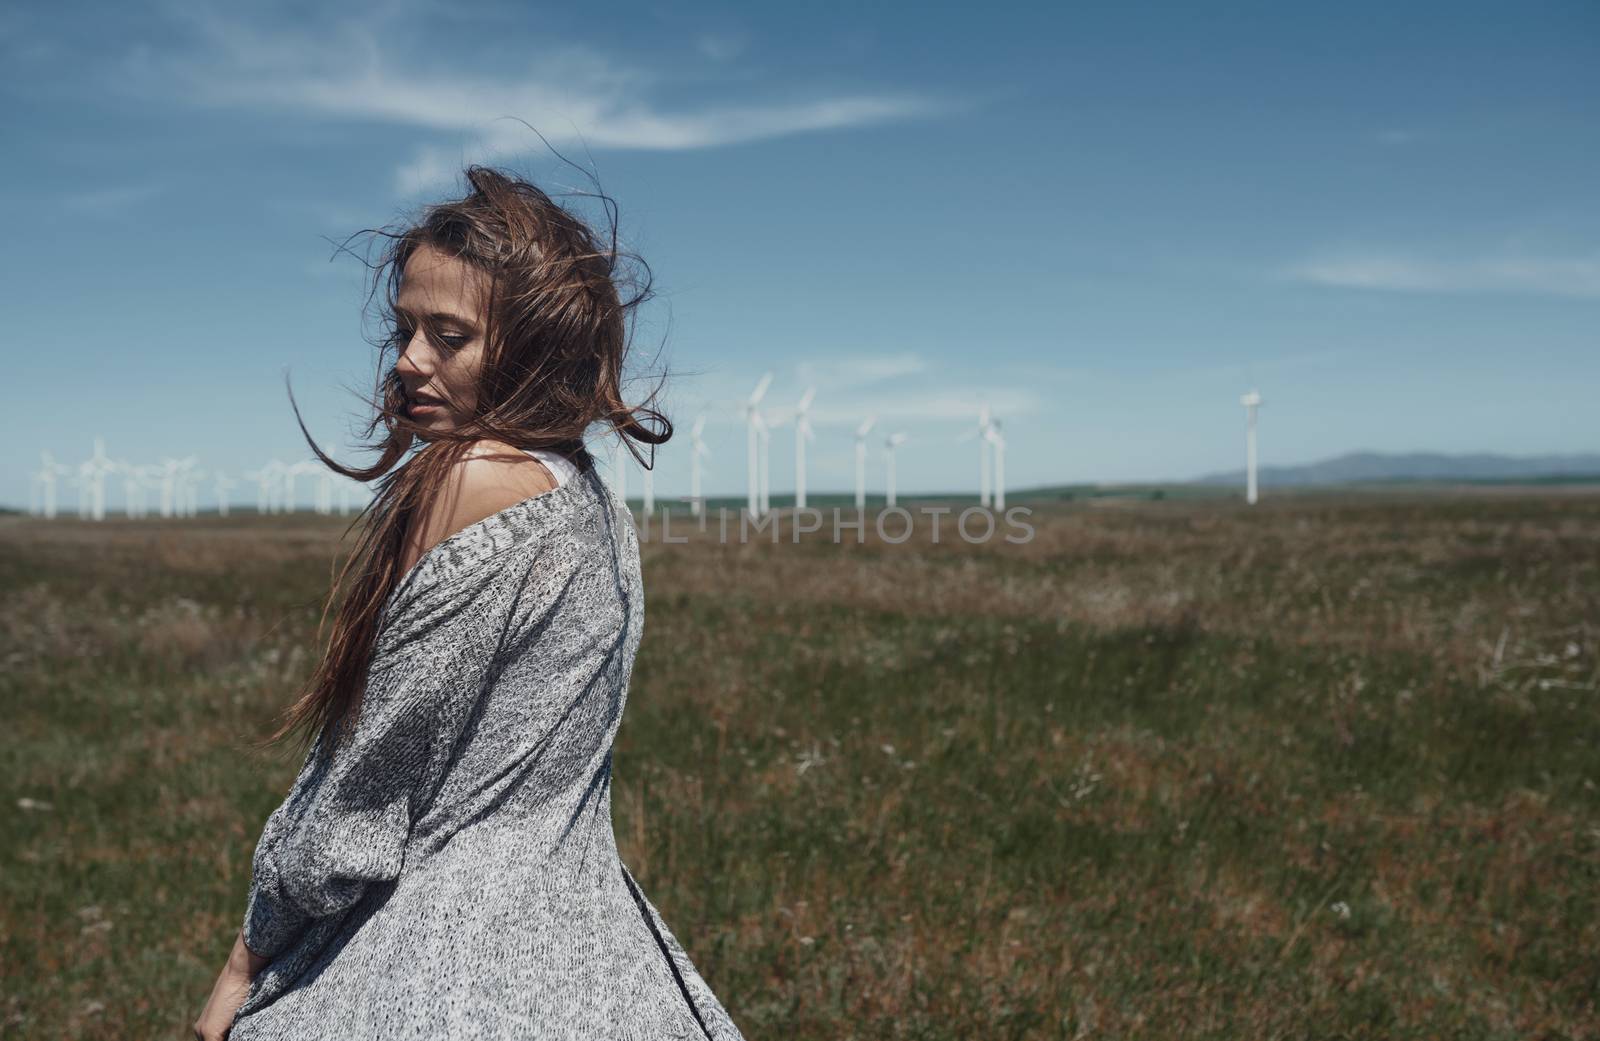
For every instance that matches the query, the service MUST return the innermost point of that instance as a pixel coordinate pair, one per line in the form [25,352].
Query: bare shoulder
[495,475]
[489,477]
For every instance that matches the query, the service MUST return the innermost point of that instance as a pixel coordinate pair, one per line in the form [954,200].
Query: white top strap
[560,467]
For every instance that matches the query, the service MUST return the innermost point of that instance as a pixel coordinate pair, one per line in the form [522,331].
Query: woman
[444,865]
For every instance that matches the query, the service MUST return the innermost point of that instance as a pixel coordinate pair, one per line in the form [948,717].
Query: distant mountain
[1361,467]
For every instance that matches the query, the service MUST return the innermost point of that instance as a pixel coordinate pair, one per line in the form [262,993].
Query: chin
[435,426]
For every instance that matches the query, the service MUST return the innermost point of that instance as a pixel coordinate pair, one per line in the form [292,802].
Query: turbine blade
[761,390]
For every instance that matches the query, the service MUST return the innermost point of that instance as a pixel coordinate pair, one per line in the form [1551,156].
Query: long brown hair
[555,343]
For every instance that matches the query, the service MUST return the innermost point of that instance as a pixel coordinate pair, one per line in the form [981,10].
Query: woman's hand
[229,992]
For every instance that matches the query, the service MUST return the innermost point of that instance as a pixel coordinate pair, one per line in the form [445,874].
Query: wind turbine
[282,487]
[766,467]
[346,486]
[286,473]
[649,477]
[802,434]
[92,474]
[149,478]
[263,480]
[278,483]
[861,461]
[619,470]
[755,428]
[891,443]
[698,448]
[325,491]
[169,482]
[189,478]
[1251,402]
[76,479]
[308,467]
[132,492]
[995,439]
[981,433]
[49,471]
[223,483]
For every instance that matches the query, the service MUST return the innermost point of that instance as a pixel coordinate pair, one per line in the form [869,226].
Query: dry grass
[1325,768]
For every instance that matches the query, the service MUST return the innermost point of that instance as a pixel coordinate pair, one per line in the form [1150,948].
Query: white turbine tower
[127,471]
[283,486]
[49,472]
[307,467]
[286,474]
[698,448]
[891,443]
[75,476]
[993,437]
[767,467]
[132,489]
[981,434]
[802,434]
[92,474]
[346,487]
[222,483]
[1251,402]
[263,482]
[150,479]
[755,428]
[619,469]
[278,483]
[648,475]
[189,475]
[75,479]
[861,461]
[324,491]
[169,484]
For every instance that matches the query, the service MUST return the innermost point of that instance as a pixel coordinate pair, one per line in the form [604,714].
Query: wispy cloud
[930,404]
[840,373]
[1577,276]
[572,93]
[898,388]
[627,123]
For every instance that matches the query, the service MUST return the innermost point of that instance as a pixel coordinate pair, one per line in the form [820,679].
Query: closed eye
[454,341]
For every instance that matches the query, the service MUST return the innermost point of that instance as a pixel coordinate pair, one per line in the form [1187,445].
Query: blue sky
[1107,221]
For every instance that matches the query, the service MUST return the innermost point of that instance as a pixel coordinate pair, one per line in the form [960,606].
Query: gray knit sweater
[452,871]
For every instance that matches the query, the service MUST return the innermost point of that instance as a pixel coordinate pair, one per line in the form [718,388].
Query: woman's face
[440,311]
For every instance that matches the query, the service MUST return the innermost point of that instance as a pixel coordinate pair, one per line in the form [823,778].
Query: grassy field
[1326,768]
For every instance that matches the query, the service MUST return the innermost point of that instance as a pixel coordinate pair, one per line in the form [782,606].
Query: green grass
[1325,769]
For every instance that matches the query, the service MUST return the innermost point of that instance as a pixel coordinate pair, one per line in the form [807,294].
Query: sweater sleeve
[344,825]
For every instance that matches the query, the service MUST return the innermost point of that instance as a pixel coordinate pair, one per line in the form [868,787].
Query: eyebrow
[439,316]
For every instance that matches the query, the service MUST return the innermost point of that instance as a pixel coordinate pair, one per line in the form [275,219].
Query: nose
[413,352]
